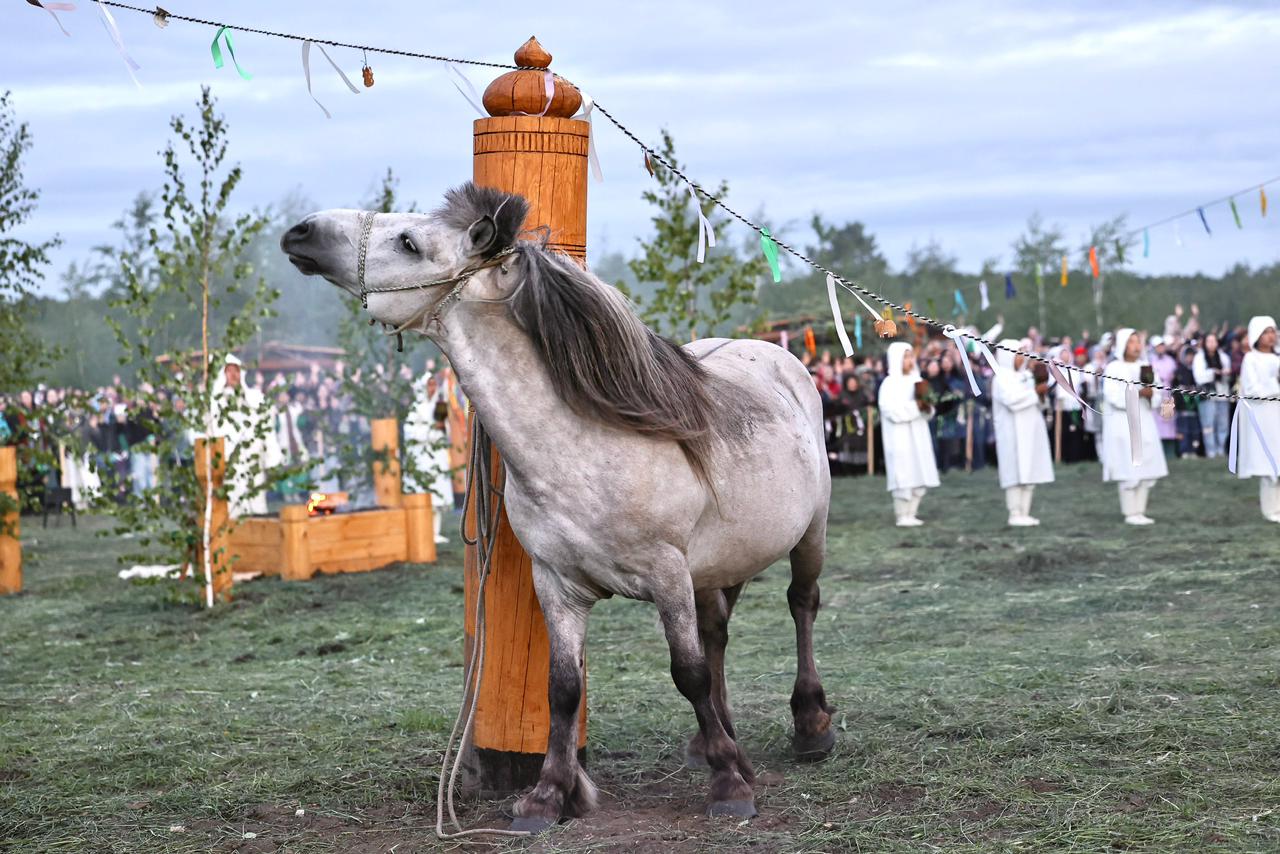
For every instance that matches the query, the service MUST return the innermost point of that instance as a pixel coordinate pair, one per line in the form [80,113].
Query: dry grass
[1077,687]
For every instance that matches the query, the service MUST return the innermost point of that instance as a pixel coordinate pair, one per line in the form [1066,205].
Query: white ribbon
[784,339]
[982,294]
[50,7]
[306,72]
[587,106]
[114,32]
[474,98]
[1061,378]
[706,234]
[871,311]
[955,335]
[835,312]
[1133,412]
[549,89]
[1257,431]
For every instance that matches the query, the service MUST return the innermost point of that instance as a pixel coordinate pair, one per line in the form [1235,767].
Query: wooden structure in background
[10,545]
[296,545]
[535,149]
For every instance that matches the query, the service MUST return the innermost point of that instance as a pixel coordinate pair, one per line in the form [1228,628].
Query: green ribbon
[770,250]
[1235,213]
[217,53]
[1119,250]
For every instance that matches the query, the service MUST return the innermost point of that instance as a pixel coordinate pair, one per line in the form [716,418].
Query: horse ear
[483,235]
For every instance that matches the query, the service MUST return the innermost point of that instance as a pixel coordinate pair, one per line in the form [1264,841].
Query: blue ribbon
[962,307]
[1146,243]
[1204,222]
[1009,292]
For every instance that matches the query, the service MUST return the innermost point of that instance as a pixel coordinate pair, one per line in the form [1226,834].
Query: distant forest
[309,310]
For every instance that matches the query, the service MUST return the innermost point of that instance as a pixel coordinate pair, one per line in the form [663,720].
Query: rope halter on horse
[458,281]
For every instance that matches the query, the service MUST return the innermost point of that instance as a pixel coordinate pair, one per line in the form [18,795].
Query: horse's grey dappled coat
[634,467]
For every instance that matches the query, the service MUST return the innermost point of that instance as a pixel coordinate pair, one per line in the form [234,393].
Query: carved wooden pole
[535,149]
[10,547]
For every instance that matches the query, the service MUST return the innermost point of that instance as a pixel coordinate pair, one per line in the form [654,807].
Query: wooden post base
[10,545]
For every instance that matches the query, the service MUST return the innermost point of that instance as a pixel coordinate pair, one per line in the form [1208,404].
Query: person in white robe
[1260,377]
[1022,440]
[426,434]
[908,448]
[1134,473]
[240,416]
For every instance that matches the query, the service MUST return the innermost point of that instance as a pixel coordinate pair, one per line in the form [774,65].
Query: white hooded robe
[1259,377]
[1117,459]
[1022,440]
[908,447]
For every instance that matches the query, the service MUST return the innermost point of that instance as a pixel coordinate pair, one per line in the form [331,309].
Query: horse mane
[604,362]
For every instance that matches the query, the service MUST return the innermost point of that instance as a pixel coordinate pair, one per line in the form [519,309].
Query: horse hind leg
[714,609]
[814,737]
[731,772]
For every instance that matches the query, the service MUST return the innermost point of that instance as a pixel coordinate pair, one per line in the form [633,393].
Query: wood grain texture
[544,159]
[10,546]
[220,523]
[385,438]
[420,535]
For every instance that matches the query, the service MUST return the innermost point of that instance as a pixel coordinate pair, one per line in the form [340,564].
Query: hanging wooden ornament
[1167,410]
[367,72]
[885,326]
[648,164]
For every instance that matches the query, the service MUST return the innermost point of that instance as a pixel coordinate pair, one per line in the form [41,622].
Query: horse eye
[408,245]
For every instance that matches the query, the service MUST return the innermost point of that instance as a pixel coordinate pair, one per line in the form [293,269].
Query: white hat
[1156,340]
[1259,325]
[232,359]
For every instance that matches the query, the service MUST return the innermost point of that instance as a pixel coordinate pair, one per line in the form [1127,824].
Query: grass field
[1077,687]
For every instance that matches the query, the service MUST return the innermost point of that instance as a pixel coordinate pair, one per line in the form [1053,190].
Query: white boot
[1131,506]
[1269,497]
[915,505]
[1013,500]
[437,521]
[1143,492]
[1027,493]
[902,510]
[1128,505]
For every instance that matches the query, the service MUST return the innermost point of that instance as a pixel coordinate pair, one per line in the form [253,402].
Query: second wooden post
[532,147]
[10,545]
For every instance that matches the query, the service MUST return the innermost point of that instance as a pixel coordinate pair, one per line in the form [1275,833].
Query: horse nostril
[300,231]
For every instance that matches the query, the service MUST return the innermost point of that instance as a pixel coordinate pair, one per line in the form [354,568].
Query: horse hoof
[814,748]
[533,824]
[736,809]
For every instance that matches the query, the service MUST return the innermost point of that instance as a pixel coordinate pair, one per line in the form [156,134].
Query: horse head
[405,265]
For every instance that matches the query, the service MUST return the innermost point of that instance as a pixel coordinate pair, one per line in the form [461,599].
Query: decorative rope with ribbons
[769,243]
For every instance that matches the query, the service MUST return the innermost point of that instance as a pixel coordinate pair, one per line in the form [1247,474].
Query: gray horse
[634,466]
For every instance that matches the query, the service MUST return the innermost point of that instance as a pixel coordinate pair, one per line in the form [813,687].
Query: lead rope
[488,506]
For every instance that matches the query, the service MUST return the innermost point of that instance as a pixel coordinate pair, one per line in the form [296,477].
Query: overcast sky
[947,121]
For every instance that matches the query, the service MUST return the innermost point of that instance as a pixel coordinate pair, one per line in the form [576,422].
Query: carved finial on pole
[524,92]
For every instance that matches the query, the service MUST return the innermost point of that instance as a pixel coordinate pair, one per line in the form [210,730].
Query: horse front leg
[731,772]
[563,788]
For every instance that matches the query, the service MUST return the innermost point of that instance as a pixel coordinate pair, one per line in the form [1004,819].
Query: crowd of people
[912,413]
[113,435]
[909,413]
